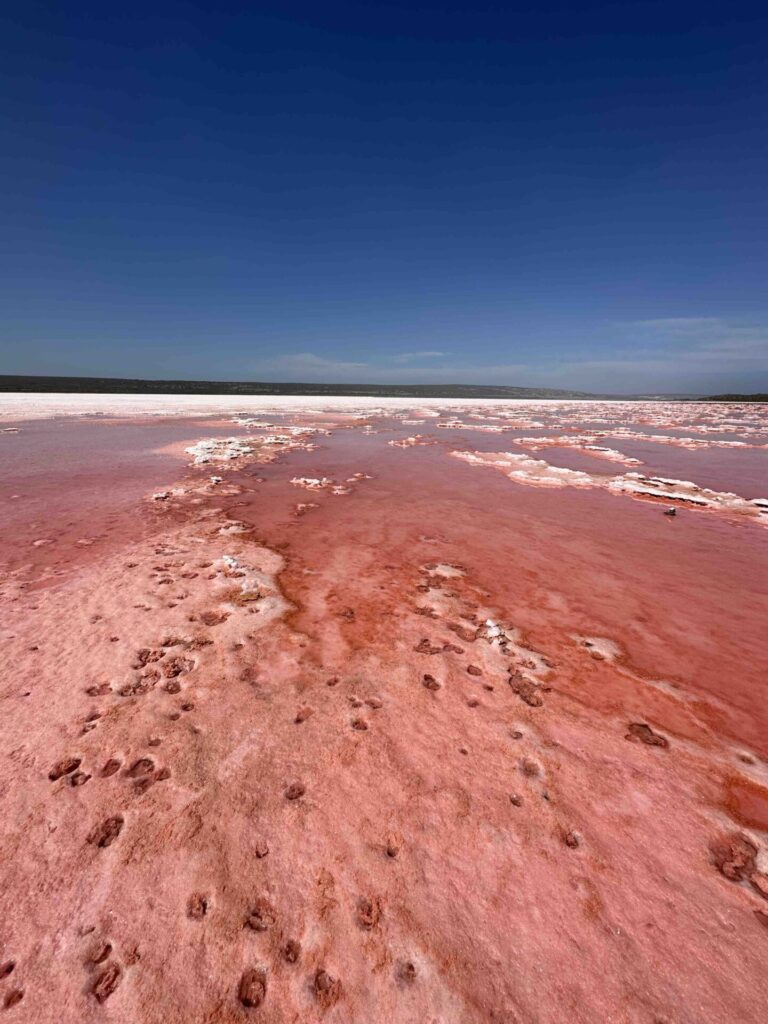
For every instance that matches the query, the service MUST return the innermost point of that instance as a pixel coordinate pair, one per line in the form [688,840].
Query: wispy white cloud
[310,367]
[672,354]
[311,364]
[410,357]
[676,324]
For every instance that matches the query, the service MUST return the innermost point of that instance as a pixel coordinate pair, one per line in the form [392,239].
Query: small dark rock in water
[294,791]
[144,766]
[670,512]
[101,954]
[14,996]
[368,912]
[197,906]
[107,832]
[107,982]
[406,971]
[527,691]
[327,988]
[292,951]
[253,987]
[261,917]
[571,840]
[734,856]
[392,847]
[639,732]
[99,690]
[64,767]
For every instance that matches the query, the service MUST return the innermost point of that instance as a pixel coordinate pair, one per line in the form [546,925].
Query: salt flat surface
[23,406]
[463,737]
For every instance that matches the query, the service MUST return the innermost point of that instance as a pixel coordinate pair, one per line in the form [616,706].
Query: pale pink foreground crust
[364,711]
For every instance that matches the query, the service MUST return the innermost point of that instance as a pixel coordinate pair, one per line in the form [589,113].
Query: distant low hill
[760,397]
[121,385]
[134,386]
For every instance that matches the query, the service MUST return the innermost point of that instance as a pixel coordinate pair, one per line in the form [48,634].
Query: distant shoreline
[125,386]
[26,384]
[128,386]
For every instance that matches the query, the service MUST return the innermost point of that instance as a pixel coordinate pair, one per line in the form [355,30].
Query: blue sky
[556,194]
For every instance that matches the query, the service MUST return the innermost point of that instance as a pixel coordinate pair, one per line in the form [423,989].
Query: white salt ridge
[587,441]
[450,572]
[174,492]
[581,442]
[324,483]
[410,442]
[531,665]
[685,491]
[611,454]
[252,581]
[229,449]
[536,472]
[524,469]
[232,528]
[312,483]
[217,449]
[609,650]
[461,425]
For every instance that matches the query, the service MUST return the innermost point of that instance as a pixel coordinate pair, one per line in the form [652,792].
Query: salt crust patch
[446,570]
[259,582]
[325,483]
[230,449]
[410,442]
[588,443]
[609,650]
[218,450]
[528,662]
[538,473]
